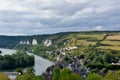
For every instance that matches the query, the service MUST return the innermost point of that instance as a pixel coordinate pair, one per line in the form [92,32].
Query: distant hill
[100,39]
[12,41]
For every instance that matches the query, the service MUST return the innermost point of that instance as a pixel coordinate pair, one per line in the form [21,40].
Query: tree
[19,70]
[56,74]
[65,74]
[94,76]
[98,59]
[71,76]
[29,75]
[19,59]
[112,76]
[30,71]
[107,57]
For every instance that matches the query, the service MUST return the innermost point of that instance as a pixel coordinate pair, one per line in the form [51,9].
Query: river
[40,65]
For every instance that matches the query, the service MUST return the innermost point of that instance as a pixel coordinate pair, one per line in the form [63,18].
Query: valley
[82,52]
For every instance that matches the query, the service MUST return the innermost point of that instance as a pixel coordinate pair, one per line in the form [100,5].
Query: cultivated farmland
[114,37]
[109,47]
[111,43]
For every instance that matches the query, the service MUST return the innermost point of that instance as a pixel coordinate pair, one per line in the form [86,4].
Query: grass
[3,77]
[84,39]
[110,47]
[77,52]
[92,36]
[84,43]
[112,43]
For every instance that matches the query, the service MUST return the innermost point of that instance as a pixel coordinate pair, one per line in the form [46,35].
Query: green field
[109,47]
[92,36]
[111,43]
[82,40]
[85,43]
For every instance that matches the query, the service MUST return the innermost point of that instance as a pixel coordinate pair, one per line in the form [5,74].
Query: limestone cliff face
[34,42]
[25,42]
[47,43]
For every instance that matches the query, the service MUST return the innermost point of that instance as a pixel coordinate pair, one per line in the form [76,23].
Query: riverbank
[19,59]
[40,65]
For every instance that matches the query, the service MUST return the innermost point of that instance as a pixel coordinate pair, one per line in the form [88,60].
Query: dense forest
[19,59]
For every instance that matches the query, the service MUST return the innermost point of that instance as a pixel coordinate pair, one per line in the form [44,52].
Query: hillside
[13,41]
[84,52]
[101,40]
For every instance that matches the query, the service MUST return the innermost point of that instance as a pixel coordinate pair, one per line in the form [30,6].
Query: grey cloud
[51,16]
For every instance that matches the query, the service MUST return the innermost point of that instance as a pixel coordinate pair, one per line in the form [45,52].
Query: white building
[34,42]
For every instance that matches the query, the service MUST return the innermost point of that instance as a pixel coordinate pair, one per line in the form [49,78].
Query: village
[65,60]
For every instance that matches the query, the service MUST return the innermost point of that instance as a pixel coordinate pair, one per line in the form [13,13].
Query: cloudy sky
[28,17]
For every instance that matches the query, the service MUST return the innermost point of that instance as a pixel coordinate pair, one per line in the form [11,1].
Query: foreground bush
[94,76]
[65,74]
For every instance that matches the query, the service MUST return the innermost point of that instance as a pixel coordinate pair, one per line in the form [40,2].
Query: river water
[40,65]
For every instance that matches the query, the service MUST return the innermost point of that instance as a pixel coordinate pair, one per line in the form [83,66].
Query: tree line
[19,59]
[67,74]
